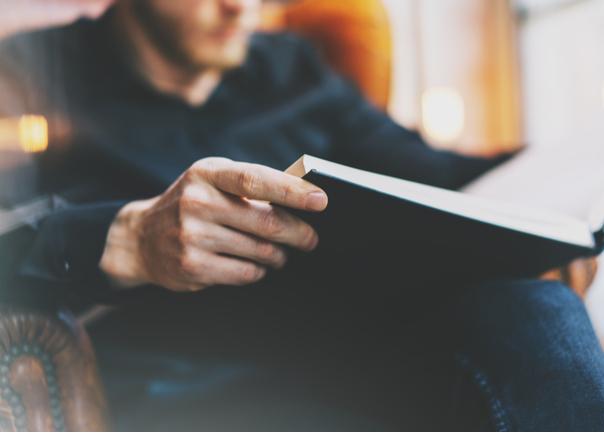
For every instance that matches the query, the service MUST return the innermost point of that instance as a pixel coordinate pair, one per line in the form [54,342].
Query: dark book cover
[366,233]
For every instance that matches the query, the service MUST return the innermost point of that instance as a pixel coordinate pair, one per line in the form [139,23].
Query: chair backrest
[353,35]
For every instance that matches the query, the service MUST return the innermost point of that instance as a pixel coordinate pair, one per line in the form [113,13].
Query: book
[472,235]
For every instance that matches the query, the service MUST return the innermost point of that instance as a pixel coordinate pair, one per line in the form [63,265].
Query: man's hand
[213,226]
[578,275]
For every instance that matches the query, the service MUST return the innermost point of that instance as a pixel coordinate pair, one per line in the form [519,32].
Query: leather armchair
[48,376]
[354,37]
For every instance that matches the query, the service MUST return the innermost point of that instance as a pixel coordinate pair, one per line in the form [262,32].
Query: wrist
[121,260]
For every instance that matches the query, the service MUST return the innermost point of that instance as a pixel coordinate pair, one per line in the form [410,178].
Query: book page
[528,219]
[566,178]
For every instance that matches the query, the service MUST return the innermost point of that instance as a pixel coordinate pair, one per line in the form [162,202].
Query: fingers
[212,269]
[235,272]
[214,225]
[252,217]
[578,275]
[222,240]
[261,183]
[581,274]
[271,223]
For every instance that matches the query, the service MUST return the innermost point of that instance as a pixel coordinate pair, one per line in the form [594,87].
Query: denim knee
[536,347]
[532,313]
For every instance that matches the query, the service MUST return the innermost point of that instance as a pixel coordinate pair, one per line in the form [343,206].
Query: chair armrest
[48,375]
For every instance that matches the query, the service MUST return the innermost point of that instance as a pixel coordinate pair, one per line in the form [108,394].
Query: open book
[473,234]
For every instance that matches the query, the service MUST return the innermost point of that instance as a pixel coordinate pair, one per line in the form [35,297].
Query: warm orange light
[33,133]
[27,133]
[443,114]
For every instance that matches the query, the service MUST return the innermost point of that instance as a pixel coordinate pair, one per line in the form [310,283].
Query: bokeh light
[33,133]
[27,133]
[443,114]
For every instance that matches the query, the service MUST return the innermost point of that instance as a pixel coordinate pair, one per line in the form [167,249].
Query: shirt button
[66,266]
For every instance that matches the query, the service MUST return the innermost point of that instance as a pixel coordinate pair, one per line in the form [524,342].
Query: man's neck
[194,86]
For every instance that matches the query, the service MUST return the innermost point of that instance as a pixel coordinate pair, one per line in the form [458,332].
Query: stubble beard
[174,46]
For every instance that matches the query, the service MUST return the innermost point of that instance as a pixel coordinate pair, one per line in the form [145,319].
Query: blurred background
[487,75]
[478,76]
[525,71]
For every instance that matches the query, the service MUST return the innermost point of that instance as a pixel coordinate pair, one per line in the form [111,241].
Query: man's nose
[233,7]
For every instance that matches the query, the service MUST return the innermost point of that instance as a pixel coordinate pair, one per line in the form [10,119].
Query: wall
[563,72]
[466,45]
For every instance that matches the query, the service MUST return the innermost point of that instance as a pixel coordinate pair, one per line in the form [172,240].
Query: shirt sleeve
[66,250]
[370,139]
[367,138]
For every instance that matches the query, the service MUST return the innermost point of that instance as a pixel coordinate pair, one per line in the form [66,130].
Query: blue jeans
[532,350]
[516,355]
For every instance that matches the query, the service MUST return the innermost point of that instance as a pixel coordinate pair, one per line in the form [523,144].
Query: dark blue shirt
[126,141]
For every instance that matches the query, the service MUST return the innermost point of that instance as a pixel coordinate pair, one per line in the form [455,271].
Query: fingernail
[316,200]
[261,273]
[314,243]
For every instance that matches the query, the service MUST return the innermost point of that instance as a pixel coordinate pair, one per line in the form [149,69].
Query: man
[180,121]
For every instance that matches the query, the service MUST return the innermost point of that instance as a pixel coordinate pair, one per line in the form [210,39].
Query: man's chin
[226,64]
[223,59]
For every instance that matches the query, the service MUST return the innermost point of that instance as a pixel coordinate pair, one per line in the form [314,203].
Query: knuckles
[189,176]
[273,226]
[248,182]
[265,250]
[187,204]
[270,223]
[187,264]
[248,273]
[287,193]
[207,166]
[196,199]
[270,253]
[184,238]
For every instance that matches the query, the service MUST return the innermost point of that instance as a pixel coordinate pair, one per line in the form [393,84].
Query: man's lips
[226,33]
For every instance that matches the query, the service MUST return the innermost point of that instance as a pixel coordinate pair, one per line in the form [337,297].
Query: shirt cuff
[68,247]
